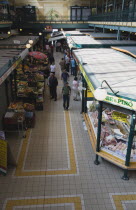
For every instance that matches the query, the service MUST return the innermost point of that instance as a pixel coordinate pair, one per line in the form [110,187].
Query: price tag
[119,116]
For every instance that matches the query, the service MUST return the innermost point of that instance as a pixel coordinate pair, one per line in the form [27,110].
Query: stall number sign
[89,94]
[3,156]
[119,116]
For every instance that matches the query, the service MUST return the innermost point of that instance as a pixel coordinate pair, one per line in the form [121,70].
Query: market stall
[127,50]
[110,119]
[18,42]
[102,35]
[30,85]
[89,42]
[19,116]
[73,33]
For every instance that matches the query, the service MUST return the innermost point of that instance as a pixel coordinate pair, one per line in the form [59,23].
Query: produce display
[19,112]
[30,84]
[114,131]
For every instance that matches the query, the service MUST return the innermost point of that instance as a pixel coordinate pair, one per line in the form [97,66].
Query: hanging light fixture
[40,33]
[28,46]
[31,41]
[20,29]
[100,94]
[9,32]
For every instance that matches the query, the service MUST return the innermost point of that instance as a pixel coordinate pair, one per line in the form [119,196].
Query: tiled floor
[55,169]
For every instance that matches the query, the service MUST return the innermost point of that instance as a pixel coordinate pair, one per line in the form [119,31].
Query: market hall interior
[55,165]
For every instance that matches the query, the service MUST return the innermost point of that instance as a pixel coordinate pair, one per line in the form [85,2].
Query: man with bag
[66,91]
[53,82]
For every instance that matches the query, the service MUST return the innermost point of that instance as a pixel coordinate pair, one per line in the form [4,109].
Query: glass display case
[115,128]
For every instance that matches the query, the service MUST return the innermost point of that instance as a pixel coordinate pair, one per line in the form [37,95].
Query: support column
[96,162]
[114,6]
[122,5]
[130,142]
[11,86]
[15,83]
[6,90]
[96,8]
[106,6]
[118,34]
[102,5]
[94,29]
[85,98]
[83,85]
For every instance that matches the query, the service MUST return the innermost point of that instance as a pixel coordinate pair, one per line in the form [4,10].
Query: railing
[5,17]
[6,66]
[128,16]
[61,19]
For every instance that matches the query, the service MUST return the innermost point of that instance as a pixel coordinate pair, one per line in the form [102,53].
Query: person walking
[58,46]
[67,62]
[62,64]
[64,76]
[73,66]
[66,91]
[75,89]
[53,83]
[52,68]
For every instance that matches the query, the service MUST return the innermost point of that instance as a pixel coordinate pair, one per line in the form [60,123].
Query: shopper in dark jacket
[66,91]
[53,83]
[62,64]
[64,76]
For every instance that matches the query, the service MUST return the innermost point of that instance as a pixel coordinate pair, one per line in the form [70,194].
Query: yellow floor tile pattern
[73,169]
[42,201]
[118,199]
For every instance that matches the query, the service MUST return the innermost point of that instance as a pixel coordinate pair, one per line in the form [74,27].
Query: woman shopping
[75,89]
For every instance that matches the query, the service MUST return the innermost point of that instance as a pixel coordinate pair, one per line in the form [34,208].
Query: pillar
[96,162]
[130,142]
[118,34]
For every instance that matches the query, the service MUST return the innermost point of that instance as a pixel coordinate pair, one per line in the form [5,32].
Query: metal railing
[61,19]
[5,17]
[125,16]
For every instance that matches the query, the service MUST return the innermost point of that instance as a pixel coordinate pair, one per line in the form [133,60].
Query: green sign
[120,101]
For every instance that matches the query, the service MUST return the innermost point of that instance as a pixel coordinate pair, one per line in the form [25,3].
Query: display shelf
[90,118]
[90,131]
[104,153]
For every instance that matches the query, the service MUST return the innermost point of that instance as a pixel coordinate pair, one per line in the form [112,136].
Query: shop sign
[3,156]
[89,94]
[121,102]
[119,116]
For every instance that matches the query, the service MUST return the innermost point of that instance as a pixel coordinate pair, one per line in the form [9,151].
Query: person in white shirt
[75,89]
[52,68]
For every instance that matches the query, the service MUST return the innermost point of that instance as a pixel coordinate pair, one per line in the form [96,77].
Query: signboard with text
[119,116]
[3,156]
